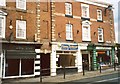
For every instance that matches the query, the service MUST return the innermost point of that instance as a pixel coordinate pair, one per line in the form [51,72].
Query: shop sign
[69,47]
[103,48]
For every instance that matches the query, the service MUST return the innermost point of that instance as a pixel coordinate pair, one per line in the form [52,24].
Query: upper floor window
[2,26]
[69,32]
[100,35]
[68,9]
[2,2]
[20,29]
[21,4]
[85,10]
[86,35]
[99,15]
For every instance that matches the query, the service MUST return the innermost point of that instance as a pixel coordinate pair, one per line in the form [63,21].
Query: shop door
[86,61]
[45,64]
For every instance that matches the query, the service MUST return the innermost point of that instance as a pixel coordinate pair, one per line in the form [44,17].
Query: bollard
[100,68]
[114,66]
[83,68]
[0,81]
[64,72]
[40,76]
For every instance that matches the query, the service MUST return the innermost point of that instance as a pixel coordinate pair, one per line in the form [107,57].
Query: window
[2,26]
[85,10]
[20,29]
[100,35]
[86,33]
[68,9]
[69,33]
[99,15]
[21,4]
[2,2]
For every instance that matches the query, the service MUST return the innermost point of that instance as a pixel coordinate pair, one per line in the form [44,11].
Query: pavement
[60,78]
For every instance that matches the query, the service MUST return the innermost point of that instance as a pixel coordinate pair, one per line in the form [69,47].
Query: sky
[115,5]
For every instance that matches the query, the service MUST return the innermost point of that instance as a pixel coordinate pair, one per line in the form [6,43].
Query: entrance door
[45,64]
[86,61]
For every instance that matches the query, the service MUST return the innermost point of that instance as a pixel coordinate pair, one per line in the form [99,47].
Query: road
[105,79]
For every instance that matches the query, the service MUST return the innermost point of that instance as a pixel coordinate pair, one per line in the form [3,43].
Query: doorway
[45,64]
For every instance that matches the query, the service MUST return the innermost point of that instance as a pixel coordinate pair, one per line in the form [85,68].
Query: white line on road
[104,80]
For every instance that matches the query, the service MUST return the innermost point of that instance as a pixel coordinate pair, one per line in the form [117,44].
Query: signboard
[69,47]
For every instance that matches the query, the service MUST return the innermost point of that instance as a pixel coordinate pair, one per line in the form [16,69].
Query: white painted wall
[53,61]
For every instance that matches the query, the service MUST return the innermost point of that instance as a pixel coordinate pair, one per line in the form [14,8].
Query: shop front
[101,55]
[64,55]
[17,60]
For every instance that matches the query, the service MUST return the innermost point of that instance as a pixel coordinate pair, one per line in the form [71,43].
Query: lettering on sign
[69,47]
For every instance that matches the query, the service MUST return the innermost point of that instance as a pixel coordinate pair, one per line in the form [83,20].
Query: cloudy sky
[115,5]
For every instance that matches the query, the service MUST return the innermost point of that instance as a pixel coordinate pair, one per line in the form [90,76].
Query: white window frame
[2,2]
[102,35]
[68,9]
[99,16]
[18,24]
[21,4]
[84,33]
[69,32]
[87,6]
[3,26]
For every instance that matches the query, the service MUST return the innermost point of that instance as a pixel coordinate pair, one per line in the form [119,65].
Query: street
[105,79]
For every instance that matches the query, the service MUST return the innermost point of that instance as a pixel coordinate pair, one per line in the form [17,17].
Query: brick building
[18,31]
[53,35]
[82,31]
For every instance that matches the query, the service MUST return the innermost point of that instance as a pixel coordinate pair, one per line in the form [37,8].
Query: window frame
[68,12]
[69,32]
[99,18]
[4,26]
[88,12]
[83,34]
[101,35]
[17,5]
[25,29]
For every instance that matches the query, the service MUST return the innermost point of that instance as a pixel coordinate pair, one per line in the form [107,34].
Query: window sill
[85,18]
[99,20]
[69,16]
[86,41]
[21,10]
[101,42]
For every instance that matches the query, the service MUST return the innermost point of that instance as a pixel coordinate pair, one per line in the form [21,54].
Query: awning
[20,54]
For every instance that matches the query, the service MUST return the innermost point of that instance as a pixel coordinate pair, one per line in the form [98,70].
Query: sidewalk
[60,78]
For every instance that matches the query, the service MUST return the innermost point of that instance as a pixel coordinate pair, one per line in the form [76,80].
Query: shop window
[2,2]
[25,69]
[69,32]
[12,67]
[85,10]
[99,15]
[68,9]
[100,35]
[66,60]
[21,4]
[2,26]
[20,29]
